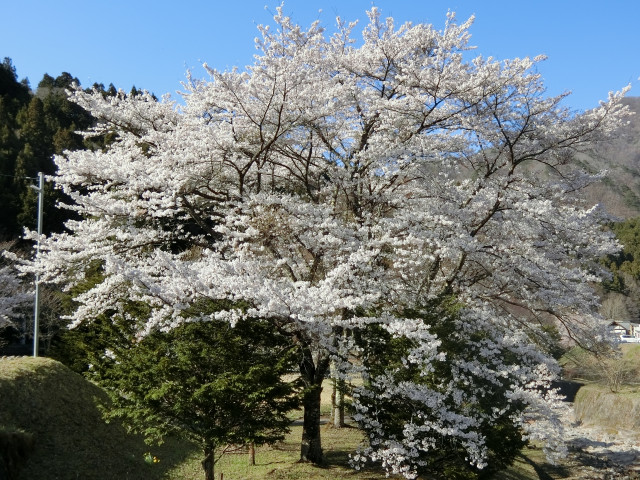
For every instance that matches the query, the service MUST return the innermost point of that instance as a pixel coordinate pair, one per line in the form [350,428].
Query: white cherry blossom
[334,184]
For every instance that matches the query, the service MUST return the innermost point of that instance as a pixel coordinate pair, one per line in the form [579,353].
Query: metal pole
[36,309]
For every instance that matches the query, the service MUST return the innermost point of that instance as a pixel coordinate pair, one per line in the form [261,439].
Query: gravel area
[600,453]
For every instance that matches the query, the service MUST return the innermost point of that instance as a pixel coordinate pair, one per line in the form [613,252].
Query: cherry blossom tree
[14,296]
[336,185]
[15,293]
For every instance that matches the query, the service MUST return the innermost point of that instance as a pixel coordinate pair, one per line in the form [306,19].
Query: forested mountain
[35,125]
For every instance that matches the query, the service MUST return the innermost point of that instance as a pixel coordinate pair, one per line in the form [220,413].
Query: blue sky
[593,46]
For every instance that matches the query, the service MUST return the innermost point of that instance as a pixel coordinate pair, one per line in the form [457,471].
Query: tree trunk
[252,454]
[339,384]
[338,409]
[311,446]
[312,374]
[208,462]
[337,398]
[334,389]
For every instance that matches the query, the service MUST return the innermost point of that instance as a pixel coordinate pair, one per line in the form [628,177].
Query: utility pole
[36,307]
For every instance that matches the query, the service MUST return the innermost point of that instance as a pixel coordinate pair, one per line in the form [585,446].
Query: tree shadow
[544,471]
[337,457]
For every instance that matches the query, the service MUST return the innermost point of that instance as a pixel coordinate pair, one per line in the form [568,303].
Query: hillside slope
[620,189]
[60,409]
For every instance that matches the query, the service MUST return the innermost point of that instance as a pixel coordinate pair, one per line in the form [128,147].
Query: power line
[17,176]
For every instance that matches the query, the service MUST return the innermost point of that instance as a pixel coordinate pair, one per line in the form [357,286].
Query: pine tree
[218,386]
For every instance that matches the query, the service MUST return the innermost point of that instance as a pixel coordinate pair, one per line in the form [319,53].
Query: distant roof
[625,325]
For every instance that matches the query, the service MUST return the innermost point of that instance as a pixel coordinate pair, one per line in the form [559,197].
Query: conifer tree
[14,95]
[217,386]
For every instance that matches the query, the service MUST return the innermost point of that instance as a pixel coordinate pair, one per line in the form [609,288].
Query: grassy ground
[280,461]
[59,408]
[596,405]
[610,397]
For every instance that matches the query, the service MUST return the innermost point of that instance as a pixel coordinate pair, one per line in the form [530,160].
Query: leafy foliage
[628,259]
[621,290]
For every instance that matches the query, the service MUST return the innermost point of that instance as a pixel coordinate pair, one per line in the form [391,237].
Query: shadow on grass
[285,447]
[541,471]
[337,457]
[171,453]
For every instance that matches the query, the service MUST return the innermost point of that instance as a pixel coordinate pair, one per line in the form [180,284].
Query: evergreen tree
[622,291]
[215,385]
[628,259]
[34,131]
[14,95]
[10,87]
[33,128]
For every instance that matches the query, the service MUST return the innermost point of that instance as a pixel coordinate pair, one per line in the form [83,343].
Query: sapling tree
[332,185]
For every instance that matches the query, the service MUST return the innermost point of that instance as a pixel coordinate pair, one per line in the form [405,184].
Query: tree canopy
[338,185]
[627,260]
